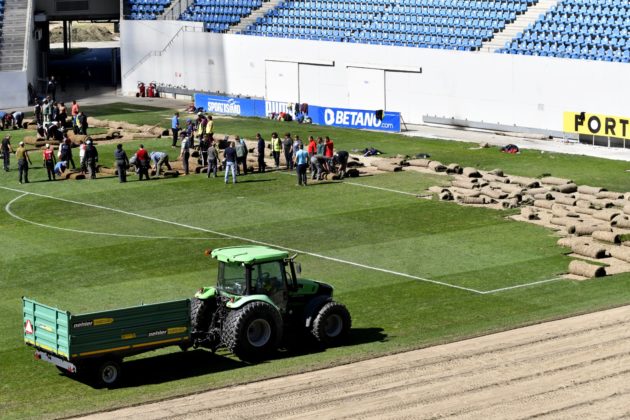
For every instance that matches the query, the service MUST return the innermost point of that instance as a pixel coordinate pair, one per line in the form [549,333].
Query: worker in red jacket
[328,148]
[142,162]
[312,151]
[49,162]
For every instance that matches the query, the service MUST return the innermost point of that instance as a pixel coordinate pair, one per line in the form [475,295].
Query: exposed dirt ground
[573,368]
[84,31]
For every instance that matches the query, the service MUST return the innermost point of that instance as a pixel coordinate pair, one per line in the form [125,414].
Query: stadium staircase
[245,22]
[174,11]
[522,21]
[13,35]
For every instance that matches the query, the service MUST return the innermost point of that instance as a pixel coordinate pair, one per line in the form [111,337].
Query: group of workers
[318,154]
[234,156]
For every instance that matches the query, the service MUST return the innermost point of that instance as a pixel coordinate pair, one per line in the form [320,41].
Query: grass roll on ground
[584,269]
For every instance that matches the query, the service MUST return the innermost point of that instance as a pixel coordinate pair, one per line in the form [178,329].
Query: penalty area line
[227,235]
[520,286]
[253,241]
[381,188]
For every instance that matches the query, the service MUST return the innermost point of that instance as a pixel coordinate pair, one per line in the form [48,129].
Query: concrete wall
[14,93]
[493,88]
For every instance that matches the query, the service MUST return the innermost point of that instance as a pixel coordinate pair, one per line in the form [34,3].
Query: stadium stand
[13,18]
[146,9]
[578,29]
[446,24]
[220,15]
[1,14]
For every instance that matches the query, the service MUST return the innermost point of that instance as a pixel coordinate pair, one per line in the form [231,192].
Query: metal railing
[163,50]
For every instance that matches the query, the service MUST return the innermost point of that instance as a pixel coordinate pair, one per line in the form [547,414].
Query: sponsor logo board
[596,124]
[356,118]
[337,117]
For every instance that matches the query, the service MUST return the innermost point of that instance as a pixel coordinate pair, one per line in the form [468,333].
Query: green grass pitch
[413,272]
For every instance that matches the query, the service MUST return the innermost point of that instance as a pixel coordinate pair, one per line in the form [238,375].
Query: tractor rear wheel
[332,324]
[253,332]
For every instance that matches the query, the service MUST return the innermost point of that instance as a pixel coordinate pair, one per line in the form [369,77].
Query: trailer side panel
[130,330]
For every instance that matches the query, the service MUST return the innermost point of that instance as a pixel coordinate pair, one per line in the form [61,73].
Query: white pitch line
[368,186]
[225,235]
[325,257]
[519,286]
[486,292]
[381,188]
[7,208]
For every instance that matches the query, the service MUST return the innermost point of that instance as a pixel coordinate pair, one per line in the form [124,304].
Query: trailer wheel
[108,372]
[253,332]
[332,324]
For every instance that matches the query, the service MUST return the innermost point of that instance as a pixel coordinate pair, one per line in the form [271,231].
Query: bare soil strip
[572,368]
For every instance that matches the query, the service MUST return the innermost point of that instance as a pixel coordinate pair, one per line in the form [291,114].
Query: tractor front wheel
[253,332]
[332,324]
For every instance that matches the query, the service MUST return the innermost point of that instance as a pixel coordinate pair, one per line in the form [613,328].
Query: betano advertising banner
[336,117]
[596,125]
[354,118]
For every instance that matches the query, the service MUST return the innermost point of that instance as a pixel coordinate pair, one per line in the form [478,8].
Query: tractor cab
[256,270]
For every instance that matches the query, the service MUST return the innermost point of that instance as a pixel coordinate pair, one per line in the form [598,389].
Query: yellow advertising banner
[597,125]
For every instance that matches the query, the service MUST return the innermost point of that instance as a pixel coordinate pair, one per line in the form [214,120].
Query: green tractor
[258,297]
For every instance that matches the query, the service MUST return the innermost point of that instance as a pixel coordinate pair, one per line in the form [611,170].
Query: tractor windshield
[232,279]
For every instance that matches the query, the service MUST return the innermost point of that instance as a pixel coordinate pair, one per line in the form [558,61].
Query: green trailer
[258,301]
[97,342]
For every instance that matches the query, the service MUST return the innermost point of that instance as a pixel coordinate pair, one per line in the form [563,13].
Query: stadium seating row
[221,10]
[430,26]
[221,14]
[582,29]
[451,43]
[580,40]
[347,28]
[469,23]
[152,9]
[213,18]
[579,29]
[217,27]
[394,16]
[235,3]
[150,2]
[146,9]
[143,16]
[597,54]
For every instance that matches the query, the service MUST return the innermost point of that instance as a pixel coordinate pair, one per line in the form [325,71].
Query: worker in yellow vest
[276,148]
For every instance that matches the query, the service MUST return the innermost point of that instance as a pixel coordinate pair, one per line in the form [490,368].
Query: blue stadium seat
[144,9]
[582,29]
[454,24]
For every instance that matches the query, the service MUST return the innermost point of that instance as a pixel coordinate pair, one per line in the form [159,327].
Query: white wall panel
[404,93]
[496,88]
[281,81]
[366,88]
